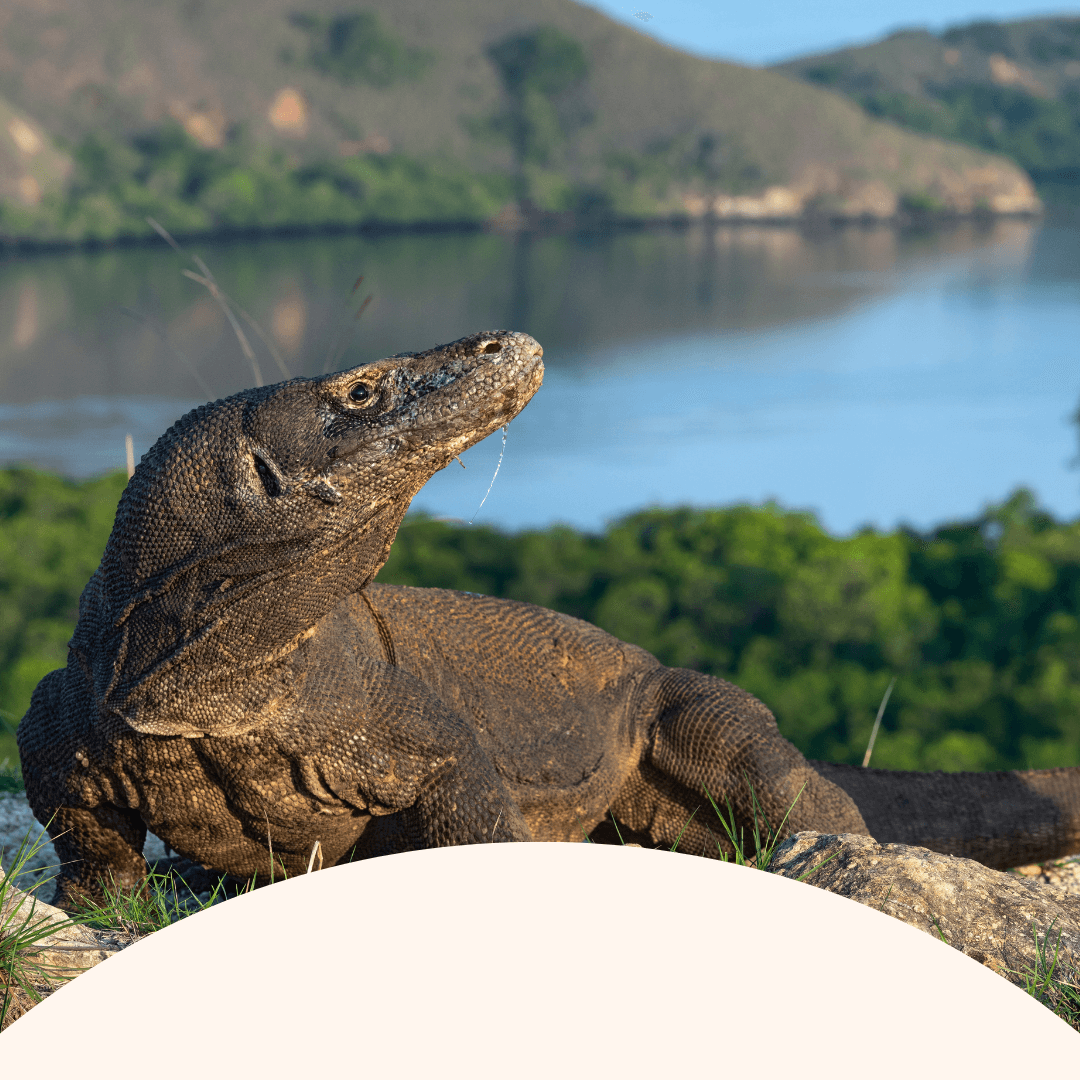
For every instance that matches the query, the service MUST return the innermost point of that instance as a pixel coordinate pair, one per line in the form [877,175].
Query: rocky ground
[1065,873]
[71,948]
[984,915]
[17,824]
[1025,927]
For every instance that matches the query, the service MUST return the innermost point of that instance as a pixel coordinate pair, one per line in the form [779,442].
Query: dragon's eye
[492,346]
[360,392]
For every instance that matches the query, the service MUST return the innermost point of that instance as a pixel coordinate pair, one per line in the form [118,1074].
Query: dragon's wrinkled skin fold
[236,681]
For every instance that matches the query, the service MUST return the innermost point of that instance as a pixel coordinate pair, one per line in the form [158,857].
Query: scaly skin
[236,681]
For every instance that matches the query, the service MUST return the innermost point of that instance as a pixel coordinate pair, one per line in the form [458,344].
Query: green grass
[10,768]
[765,845]
[24,979]
[766,839]
[1049,982]
[161,900]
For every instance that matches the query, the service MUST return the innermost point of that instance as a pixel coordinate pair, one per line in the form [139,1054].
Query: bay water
[871,376]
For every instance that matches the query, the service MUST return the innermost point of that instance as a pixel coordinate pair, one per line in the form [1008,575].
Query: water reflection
[62,314]
[288,319]
[25,330]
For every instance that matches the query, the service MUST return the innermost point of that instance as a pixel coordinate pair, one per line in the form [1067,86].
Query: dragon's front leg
[98,849]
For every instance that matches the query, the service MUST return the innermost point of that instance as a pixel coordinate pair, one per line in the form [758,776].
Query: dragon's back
[552,698]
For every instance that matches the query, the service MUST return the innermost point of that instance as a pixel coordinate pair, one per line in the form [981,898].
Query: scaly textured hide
[235,680]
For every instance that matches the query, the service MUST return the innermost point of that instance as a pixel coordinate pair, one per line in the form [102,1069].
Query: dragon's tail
[1001,819]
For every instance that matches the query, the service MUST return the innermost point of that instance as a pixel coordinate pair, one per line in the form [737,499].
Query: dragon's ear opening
[271,482]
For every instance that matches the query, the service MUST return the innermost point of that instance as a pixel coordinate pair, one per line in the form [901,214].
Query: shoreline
[535,224]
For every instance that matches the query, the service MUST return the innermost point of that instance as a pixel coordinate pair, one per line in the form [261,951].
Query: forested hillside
[979,621]
[1012,88]
[324,114]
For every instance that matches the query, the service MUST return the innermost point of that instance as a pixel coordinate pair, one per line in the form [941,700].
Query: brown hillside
[685,135]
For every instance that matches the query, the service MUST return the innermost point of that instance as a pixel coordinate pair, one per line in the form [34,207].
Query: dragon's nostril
[493,347]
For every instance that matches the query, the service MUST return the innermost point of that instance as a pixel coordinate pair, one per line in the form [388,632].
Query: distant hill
[1011,88]
[231,115]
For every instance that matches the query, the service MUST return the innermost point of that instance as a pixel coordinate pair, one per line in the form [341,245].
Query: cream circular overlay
[539,960]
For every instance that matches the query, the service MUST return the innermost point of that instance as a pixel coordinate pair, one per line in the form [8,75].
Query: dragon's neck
[209,649]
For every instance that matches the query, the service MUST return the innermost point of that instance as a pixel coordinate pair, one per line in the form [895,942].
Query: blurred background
[806,278]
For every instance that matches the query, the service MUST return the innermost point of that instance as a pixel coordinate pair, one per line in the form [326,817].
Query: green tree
[543,74]
[52,533]
[359,47]
[978,620]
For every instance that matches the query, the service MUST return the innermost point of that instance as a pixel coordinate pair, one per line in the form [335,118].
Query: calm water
[869,376]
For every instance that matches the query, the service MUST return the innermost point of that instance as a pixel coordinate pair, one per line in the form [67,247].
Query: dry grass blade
[338,345]
[877,722]
[227,305]
[270,845]
[162,336]
[238,330]
[165,235]
[270,347]
[223,296]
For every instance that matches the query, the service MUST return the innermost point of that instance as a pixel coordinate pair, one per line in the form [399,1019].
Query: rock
[68,950]
[1064,873]
[1011,924]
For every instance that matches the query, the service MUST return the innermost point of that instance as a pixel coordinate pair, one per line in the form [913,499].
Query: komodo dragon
[235,679]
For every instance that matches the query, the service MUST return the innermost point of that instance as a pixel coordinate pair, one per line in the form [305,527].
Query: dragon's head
[251,517]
